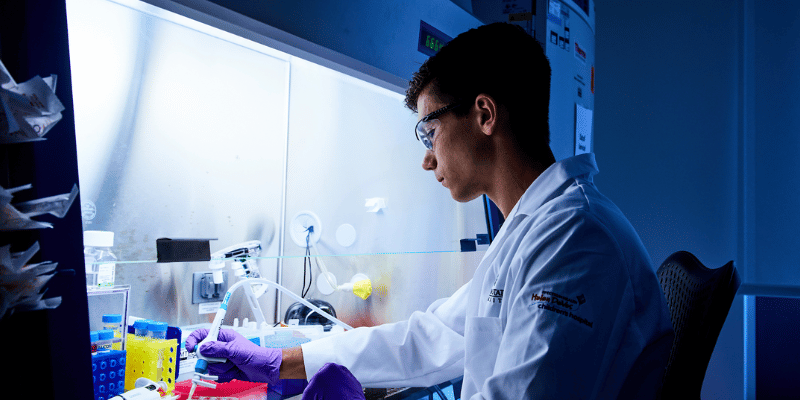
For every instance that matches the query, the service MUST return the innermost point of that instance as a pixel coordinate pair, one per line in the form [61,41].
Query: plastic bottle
[101,263]
[157,330]
[114,323]
[94,337]
[105,334]
[140,328]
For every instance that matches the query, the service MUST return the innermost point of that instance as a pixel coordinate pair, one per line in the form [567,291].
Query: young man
[565,303]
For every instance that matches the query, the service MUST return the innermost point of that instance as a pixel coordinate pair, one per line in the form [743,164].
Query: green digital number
[433,43]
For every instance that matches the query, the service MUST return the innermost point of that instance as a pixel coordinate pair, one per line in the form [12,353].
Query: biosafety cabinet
[190,128]
[195,121]
[185,130]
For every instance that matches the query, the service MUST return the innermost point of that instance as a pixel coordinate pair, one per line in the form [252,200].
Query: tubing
[290,294]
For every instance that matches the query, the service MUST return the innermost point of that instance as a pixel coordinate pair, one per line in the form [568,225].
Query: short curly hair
[502,61]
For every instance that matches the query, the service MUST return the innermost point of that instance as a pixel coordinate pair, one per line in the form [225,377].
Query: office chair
[699,299]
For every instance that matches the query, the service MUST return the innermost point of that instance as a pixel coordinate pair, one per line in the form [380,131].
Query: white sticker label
[105,274]
[555,8]
[209,308]
[583,130]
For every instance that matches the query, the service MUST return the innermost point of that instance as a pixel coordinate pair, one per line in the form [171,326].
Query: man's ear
[486,113]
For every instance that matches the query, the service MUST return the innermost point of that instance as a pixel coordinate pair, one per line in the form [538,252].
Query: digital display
[433,43]
[431,39]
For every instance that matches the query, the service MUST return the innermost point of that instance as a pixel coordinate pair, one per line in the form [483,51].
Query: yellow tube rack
[154,359]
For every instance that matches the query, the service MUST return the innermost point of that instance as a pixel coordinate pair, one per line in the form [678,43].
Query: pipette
[201,367]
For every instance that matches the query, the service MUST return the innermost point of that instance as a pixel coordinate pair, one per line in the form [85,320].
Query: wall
[777,120]
[666,129]
[776,187]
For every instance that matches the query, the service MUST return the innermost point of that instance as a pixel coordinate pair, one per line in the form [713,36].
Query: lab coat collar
[544,187]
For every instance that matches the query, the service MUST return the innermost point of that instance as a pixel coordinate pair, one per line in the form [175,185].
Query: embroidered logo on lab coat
[496,296]
[560,304]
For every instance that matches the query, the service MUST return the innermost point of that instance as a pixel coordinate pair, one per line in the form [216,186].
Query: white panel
[350,141]
[181,133]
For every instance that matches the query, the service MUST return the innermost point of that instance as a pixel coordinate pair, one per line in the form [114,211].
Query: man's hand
[246,360]
[333,382]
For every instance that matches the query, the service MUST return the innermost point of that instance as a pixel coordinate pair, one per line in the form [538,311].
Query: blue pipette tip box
[108,373]
[284,387]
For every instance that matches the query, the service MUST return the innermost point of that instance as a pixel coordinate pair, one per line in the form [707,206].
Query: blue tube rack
[108,373]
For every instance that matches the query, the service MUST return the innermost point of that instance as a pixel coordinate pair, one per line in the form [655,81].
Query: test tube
[140,328]
[157,330]
[113,322]
[105,334]
[94,338]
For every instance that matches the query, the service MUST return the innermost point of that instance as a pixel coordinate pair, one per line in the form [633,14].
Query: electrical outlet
[204,290]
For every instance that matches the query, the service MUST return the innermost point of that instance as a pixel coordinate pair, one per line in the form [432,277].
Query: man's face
[458,156]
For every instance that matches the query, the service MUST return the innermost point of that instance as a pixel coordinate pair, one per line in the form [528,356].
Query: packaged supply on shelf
[13,220]
[29,110]
[57,205]
[18,216]
[15,261]
[6,81]
[21,283]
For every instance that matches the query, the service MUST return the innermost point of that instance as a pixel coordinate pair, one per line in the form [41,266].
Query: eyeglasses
[427,126]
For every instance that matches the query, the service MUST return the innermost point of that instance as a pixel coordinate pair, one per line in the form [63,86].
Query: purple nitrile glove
[247,361]
[333,382]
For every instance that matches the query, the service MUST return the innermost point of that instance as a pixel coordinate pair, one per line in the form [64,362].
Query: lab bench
[450,389]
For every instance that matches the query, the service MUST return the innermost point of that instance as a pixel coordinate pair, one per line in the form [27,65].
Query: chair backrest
[699,300]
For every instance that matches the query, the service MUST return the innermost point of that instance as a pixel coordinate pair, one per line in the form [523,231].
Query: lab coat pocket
[482,337]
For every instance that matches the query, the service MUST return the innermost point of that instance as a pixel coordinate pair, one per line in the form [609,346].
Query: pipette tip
[191,391]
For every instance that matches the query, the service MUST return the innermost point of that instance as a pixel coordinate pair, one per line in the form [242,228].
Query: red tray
[237,389]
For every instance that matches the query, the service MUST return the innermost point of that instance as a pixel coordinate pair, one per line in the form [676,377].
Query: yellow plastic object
[362,288]
[154,359]
[118,345]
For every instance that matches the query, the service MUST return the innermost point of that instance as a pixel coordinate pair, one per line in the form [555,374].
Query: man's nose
[429,161]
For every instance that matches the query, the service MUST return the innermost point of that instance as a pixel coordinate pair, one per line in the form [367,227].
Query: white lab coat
[565,304]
